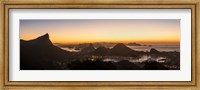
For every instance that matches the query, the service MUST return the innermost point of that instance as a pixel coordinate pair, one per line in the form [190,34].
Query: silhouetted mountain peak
[120,45]
[88,49]
[153,50]
[134,44]
[101,51]
[41,54]
[44,39]
[102,48]
[122,50]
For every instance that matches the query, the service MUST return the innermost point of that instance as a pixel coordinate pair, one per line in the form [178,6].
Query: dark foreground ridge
[40,53]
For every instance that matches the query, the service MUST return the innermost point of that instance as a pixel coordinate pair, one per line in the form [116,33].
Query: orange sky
[103,30]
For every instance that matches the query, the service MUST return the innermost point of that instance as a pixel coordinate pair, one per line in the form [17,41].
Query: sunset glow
[103,30]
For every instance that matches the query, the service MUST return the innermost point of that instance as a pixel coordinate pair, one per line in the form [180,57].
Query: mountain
[41,54]
[134,44]
[101,51]
[154,51]
[122,50]
[88,49]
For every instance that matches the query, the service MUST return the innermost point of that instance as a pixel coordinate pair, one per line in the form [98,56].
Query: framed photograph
[100,44]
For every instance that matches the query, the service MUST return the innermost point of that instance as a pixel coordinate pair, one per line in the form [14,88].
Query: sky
[74,31]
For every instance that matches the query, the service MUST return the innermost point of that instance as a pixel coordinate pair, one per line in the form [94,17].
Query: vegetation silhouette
[91,65]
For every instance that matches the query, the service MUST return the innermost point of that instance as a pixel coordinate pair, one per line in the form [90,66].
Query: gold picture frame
[6,84]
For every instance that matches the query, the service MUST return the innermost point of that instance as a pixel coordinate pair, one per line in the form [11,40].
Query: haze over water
[140,48]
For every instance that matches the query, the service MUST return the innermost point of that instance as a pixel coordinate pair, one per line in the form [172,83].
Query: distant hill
[40,53]
[154,51]
[88,49]
[122,50]
[134,44]
[101,51]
